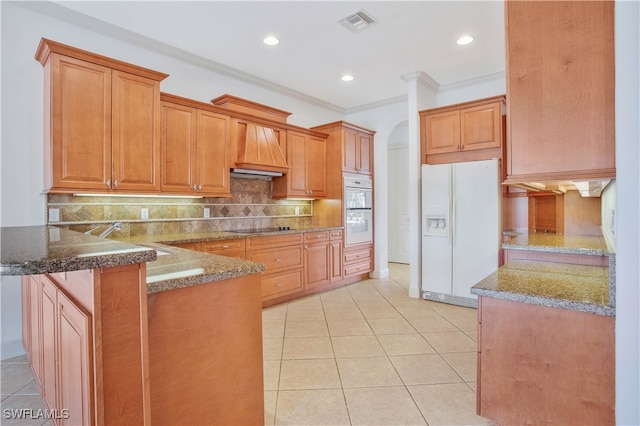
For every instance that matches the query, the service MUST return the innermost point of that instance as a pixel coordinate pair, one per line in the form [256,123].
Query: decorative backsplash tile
[250,206]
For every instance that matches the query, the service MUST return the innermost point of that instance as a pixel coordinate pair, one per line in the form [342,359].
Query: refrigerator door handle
[452,206]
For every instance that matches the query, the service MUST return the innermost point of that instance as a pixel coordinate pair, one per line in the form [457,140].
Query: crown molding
[98,26]
[501,75]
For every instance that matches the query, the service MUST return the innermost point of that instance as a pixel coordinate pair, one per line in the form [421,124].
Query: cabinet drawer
[224,246]
[280,258]
[282,282]
[315,237]
[274,241]
[189,246]
[335,235]
[357,256]
[357,268]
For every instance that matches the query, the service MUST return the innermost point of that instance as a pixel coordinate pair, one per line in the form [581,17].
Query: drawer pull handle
[225,246]
[278,260]
[278,285]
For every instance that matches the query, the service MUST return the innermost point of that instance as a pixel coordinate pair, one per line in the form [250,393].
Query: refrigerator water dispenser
[437,226]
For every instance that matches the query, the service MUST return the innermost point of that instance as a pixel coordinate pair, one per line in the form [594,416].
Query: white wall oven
[358,210]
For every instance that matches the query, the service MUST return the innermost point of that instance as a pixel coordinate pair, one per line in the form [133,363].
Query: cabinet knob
[199,187]
[108,183]
[115,183]
[195,188]
[278,260]
[278,285]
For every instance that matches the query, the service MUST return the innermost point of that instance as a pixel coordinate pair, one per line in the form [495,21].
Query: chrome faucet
[116,226]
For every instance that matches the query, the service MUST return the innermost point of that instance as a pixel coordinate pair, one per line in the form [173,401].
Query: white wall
[627,48]
[21,173]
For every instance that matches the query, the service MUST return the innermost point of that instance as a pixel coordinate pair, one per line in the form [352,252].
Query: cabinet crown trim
[477,102]
[46,47]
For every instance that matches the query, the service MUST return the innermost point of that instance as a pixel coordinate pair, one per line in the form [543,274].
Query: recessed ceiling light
[271,40]
[347,77]
[464,40]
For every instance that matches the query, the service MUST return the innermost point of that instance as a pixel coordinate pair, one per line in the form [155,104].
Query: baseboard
[11,348]
[382,273]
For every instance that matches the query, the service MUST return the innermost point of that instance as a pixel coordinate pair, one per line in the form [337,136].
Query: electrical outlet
[54,215]
[207,212]
[144,213]
[297,211]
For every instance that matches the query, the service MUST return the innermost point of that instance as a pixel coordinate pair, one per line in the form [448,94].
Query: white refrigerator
[461,225]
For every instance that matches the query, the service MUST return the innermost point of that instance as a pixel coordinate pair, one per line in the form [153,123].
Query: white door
[398,170]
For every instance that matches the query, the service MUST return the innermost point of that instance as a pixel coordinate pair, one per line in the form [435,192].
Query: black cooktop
[261,230]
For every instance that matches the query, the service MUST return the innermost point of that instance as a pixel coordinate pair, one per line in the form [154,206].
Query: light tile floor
[367,354]
[364,354]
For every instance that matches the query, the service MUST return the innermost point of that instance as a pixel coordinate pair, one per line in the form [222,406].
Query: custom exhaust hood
[259,152]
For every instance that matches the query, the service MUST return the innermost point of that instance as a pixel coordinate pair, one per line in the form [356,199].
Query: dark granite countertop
[47,249]
[593,245]
[30,250]
[197,237]
[560,285]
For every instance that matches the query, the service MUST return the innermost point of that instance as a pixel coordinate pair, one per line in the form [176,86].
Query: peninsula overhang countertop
[583,288]
[32,250]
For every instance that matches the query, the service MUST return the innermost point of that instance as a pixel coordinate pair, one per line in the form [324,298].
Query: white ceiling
[315,50]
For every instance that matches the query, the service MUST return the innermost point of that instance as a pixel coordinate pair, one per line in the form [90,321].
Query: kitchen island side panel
[205,354]
[544,365]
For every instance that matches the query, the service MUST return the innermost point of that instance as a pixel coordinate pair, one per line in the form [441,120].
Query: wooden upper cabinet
[560,90]
[307,159]
[463,127]
[178,148]
[102,122]
[78,117]
[213,168]
[194,146]
[356,151]
[135,133]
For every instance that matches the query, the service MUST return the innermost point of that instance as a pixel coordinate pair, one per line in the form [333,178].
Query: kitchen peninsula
[546,332]
[113,339]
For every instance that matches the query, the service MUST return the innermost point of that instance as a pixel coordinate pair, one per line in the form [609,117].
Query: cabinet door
[80,124]
[178,148]
[297,160]
[213,166]
[365,148]
[35,311]
[75,363]
[560,87]
[335,257]
[50,353]
[481,127]
[442,132]
[26,312]
[317,166]
[135,133]
[316,264]
[350,151]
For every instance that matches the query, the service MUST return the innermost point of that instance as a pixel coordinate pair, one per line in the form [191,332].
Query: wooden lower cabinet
[283,258]
[335,255]
[86,345]
[358,260]
[231,248]
[544,365]
[317,264]
[75,362]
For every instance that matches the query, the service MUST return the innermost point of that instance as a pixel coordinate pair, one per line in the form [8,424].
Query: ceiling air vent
[358,21]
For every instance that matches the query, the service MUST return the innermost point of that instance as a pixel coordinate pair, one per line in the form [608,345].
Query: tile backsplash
[250,206]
